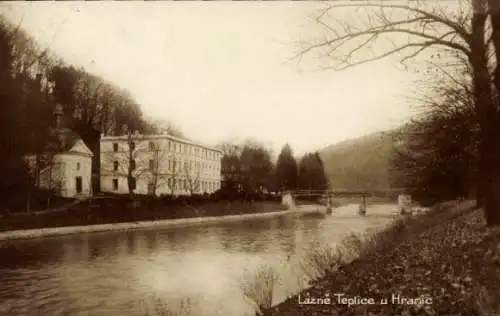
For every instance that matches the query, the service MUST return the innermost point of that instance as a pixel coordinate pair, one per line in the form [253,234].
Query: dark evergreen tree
[286,170]
[312,173]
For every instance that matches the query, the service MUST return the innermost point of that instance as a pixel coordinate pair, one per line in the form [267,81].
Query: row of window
[173,165]
[178,148]
[179,184]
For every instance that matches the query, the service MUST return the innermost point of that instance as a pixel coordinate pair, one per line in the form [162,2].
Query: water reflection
[113,273]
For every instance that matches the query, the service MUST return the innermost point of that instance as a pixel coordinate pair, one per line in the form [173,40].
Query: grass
[186,306]
[322,261]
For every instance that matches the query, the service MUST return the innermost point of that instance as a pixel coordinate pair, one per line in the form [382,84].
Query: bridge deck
[340,192]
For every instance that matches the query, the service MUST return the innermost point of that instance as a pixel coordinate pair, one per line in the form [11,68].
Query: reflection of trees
[94,248]
[131,243]
[25,254]
[152,240]
[259,236]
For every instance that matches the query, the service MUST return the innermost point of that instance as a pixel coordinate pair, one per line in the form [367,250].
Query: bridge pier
[362,206]
[287,201]
[329,208]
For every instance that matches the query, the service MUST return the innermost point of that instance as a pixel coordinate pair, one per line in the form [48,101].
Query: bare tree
[53,177]
[158,176]
[46,170]
[164,126]
[409,30]
[129,161]
[192,173]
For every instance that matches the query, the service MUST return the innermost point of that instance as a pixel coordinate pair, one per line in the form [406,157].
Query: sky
[222,70]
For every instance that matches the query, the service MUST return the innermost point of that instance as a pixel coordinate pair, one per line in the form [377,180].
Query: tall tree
[286,169]
[436,155]
[457,35]
[246,168]
[311,174]
[256,168]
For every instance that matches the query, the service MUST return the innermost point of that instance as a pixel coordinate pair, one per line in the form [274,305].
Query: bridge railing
[345,192]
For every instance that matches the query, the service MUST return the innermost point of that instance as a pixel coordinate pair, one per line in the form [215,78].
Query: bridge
[345,193]
[329,194]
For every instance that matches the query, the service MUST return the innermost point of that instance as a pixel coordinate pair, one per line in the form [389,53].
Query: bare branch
[457,27]
[423,26]
[422,46]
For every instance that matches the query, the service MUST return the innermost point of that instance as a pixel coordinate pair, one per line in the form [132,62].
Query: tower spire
[58,113]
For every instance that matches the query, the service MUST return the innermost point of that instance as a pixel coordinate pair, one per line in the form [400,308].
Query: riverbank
[267,211]
[446,258]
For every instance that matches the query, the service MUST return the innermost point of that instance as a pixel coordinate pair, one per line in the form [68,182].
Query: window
[169,182]
[151,188]
[169,145]
[115,165]
[151,164]
[115,146]
[185,184]
[185,165]
[170,164]
[77,166]
[115,184]
[132,183]
[132,146]
[151,146]
[78,184]
[132,165]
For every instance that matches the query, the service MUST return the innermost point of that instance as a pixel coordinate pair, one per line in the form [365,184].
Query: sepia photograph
[250,158]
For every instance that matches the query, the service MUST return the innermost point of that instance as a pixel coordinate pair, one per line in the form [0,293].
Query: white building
[158,164]
[67,164]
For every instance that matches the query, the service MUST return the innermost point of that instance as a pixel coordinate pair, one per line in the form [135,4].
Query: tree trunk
[129,167]
[492,201]
[494,12]
[479,196]
[489,149]
[28,198]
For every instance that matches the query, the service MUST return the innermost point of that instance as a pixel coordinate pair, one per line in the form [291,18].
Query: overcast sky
[219,70]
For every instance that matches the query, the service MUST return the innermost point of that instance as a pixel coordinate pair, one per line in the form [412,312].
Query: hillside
[359,163]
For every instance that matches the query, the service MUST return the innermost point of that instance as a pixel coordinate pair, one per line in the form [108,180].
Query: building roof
[158,136]
[64,140]
[67,138]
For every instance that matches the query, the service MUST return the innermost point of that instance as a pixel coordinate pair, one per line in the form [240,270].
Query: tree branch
[387,27]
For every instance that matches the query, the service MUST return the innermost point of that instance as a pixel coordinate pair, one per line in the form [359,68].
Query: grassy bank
[112,211]
[446,258]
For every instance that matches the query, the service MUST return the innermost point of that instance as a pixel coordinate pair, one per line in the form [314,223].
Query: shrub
[259,287]
[179,307]
[321,261]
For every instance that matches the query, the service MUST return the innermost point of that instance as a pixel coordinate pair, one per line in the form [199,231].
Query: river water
[204,267]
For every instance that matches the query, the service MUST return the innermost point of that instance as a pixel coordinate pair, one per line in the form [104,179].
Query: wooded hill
[360,163]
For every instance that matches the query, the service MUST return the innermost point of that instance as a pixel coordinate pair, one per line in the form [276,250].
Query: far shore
[179,222]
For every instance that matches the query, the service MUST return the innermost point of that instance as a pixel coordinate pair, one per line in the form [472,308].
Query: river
[122,272]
